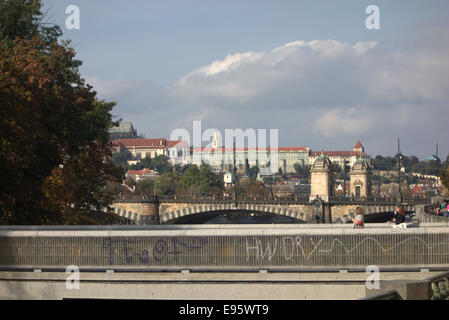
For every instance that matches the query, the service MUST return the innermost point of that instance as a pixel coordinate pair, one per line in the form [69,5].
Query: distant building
[217,157]
[228,180]
[138,149]
[143,174]
[283,190]
[125,130]
[360,179]
[338,157]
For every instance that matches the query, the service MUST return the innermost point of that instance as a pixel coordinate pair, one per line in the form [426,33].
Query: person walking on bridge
[446,211]
[399,215]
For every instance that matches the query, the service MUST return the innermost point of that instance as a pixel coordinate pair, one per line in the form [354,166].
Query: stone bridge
[169,210]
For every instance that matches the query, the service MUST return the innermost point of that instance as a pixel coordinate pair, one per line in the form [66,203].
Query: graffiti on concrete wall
[130,251]
[288,247]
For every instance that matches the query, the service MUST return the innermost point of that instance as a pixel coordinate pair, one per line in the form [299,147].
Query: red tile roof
[223,149]
[293,149]
[143,142]
[338,153]
[358,145]
[140,172]
[177,143]
[150,143]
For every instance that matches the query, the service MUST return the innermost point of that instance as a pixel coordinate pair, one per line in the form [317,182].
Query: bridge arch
[167,216]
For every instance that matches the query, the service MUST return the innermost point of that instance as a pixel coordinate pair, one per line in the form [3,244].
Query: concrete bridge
[289,261]
[178,209]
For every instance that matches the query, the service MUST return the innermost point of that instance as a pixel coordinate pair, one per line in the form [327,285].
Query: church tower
[216,140]
[321,179]
[360,179]
[358,148]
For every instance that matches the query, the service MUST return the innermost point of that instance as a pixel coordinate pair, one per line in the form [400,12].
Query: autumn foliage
[54,148]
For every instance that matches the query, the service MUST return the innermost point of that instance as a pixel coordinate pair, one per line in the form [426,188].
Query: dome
[361,164]
[322,162]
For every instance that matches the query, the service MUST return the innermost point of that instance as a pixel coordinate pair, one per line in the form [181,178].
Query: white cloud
[341,122]
[232,61]
[317,93]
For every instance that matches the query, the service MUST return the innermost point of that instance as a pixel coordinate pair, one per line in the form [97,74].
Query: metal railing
[261,199]
[228,248]
[433,218]
[382,200]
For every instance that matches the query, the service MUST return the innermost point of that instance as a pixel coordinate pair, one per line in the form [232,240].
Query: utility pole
[399,168]
[234,178]
[233,154]
[378,183]
[344,176]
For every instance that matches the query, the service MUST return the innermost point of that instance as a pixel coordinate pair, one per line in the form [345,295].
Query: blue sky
[154,58]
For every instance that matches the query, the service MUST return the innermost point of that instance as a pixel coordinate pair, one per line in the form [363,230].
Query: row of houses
[420,190]
[220,158]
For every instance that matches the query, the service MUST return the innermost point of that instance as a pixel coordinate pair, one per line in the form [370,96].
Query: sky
[311,69]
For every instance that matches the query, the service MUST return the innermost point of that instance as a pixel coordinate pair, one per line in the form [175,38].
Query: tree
[202,179]
[53,132]
[168,183]
[161,164]
[253,171]
[302,171]
[385,163]
[208,179]
[280,172]
[337,170]
[119,159]
[145,187]
[444,176]
[257,189]
[191,176]
[24,19]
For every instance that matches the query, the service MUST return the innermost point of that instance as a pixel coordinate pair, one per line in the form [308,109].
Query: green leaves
[444,176]
[202,178]
[159,163]
[54,148]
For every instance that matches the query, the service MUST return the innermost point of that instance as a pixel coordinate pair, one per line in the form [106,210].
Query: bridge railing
[206,198]
[238,197]
[262,247]
[383,200]
[286,198]
[303,198]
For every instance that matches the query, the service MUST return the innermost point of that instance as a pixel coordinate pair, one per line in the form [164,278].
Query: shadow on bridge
[234,217]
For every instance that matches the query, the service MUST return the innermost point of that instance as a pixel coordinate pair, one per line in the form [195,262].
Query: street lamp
[399,175]
[344,176]
[378,183]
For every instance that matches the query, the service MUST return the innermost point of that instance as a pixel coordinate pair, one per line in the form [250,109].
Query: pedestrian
[443,209]
[359,220]
[446,214]
[399,215]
